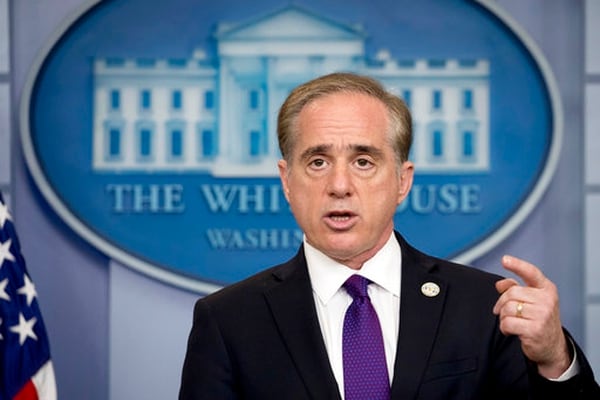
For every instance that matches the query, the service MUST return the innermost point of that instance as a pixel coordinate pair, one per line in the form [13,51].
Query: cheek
[305,214]
[306,201]
[384,198]
[302,189]
[386,188]
[300,202]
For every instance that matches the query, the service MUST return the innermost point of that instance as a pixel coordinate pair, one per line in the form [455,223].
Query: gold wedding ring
[519,309]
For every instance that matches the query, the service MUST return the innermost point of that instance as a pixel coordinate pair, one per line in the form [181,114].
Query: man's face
[343,183]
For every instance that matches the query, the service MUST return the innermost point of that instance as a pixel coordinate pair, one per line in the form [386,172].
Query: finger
[531,275]
[527,294]
[518,326]
[511,296]
[517,293]
[538,345]
[504,284]
[519,309]
[520,321]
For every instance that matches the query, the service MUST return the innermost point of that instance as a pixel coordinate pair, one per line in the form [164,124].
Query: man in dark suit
[440,330]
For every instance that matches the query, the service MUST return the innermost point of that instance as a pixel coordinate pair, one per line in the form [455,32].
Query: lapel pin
[430,289]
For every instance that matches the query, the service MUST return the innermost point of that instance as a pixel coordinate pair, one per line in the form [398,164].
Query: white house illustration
[218,116]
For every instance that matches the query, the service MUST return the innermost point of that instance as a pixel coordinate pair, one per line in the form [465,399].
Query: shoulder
[459,272]
[253,288]
[472,279]
[412,255]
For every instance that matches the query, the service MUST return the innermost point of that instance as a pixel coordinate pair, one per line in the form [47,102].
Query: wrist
[561,361]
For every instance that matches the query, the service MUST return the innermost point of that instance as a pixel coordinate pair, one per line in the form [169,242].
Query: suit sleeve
[207,371]
[580,387]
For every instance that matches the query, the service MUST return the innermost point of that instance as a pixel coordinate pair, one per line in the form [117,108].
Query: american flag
[26,371]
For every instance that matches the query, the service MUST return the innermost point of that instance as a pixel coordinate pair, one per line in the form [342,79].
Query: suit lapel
[419,319]
[291,302]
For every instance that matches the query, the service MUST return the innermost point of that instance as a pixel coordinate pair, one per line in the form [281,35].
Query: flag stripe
[28,392]
[44,382]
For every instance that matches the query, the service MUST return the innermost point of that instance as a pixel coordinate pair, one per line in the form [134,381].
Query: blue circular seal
[151,130]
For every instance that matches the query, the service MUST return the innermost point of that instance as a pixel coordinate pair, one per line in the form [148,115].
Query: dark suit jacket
[260,339]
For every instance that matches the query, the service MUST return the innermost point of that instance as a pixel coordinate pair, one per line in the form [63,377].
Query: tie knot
[356,286]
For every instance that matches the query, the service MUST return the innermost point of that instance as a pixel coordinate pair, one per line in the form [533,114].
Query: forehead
[342,117]
[345,101]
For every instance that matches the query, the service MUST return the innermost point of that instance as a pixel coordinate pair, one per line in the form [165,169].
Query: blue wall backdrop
[116,333]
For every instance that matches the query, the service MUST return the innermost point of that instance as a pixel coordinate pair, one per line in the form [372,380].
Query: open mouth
[340,220]
[340,216]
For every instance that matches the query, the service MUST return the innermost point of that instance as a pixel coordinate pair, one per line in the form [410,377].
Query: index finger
[529,273]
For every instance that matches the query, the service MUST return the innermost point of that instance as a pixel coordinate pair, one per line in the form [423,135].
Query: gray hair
[400,121]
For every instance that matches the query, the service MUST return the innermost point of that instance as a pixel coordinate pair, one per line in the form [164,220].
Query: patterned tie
[365,369]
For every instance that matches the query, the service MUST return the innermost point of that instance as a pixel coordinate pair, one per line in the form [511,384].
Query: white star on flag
[26,369]
[4,215]
[5,253]
[24,329]
[27,290]
[3,294]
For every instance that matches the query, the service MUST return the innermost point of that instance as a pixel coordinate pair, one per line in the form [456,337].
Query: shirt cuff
[573,368]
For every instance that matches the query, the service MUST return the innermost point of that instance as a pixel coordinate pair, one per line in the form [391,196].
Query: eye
[317,163]
[364,163]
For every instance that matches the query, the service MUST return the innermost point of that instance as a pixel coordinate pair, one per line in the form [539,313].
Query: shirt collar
[327,275]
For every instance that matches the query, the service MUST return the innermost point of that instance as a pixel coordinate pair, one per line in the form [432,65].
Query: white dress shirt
[327,277]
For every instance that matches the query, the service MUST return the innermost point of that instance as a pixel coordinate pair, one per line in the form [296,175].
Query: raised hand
[531,312]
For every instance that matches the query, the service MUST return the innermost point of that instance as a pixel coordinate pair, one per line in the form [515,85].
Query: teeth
[340,217]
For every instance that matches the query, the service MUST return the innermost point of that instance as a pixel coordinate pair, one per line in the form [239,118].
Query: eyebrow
[371,150]
[356,148]
[314,150]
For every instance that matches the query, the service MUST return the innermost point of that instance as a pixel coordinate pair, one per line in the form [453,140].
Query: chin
[343,249]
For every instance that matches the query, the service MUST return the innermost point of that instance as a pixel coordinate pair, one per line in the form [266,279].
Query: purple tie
[365,369]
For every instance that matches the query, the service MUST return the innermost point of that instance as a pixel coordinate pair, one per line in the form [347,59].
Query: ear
[282,165]
[405,180]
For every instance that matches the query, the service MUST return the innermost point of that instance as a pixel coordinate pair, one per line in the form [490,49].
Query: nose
[340,182]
